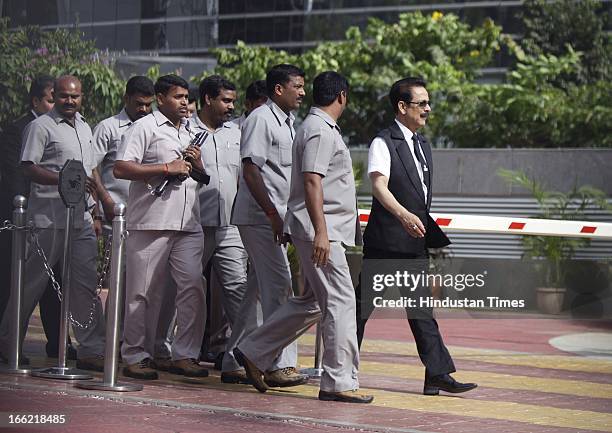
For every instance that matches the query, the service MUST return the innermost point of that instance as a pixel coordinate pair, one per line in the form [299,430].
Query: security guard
[165,233]
[12,183]
[48,142]
[261,203]
[138,102]
[321,216]
[222,244]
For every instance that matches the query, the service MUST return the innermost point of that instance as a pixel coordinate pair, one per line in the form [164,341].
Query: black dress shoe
[445,382]
[219,361]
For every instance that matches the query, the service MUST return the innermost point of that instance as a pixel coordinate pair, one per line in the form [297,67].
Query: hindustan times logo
[412,281]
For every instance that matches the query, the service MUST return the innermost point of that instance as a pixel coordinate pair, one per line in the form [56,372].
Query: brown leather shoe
[162,364]
[235,376]
[94,363]
[141,370]
[284,377]
[188,367]
[346,397]
[254,374]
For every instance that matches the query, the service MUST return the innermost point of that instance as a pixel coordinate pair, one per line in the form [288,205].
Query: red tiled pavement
[174,405]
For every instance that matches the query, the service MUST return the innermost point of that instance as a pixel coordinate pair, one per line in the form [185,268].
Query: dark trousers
[49,304]
[432,351]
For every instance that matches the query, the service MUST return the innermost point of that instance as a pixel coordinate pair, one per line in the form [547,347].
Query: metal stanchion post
[115,304]
[17,276]
[61,371]
[317,370]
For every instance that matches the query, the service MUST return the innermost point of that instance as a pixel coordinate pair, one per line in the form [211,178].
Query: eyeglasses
[421,104]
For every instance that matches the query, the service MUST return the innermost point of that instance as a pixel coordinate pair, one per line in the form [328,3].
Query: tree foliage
[557,94]
[28,51]
[551,26]
[439,47]
[531,109]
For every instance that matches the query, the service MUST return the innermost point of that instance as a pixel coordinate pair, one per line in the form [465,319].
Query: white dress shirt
[379,158]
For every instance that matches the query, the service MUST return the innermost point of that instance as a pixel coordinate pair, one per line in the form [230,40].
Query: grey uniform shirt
[154,139]
[267,138]
[106,138]
[49,141]
[319,148]
[239,121]
[221,158]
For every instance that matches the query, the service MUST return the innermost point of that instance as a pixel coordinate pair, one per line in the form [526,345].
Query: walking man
[165,233]
[223,249]
[48,142]
[261,204]
[400,227]
[321,217]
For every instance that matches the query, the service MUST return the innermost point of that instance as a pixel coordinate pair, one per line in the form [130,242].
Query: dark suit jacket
[13,180]
[384,231]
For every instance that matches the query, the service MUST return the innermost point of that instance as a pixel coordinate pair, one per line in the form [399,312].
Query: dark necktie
[288,122]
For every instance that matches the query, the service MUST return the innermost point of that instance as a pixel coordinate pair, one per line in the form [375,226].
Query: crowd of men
[212,203]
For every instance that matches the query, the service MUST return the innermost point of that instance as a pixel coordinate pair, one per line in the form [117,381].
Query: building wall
[472,172]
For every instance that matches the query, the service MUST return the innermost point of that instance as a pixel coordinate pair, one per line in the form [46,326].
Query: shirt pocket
[342,161]
[53,154]
[285,153]
[233,154]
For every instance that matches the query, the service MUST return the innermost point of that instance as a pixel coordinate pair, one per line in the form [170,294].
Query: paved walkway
[526,385]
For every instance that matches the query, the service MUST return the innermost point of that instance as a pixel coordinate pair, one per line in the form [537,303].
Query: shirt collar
[58,118]
[124,119]
[34,114]
[195,119]
[316,111]
[281,116]
[161,119]
[407,132]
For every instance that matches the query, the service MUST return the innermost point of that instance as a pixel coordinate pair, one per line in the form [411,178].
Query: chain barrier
[101,277]
[8,225]
[33,232]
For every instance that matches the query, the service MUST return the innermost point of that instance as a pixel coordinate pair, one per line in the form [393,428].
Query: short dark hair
[166,82]
[256,90]
[141,85]
[212,86]
[194,94]
[327,86]
[401,90]
[281,74]
[39,84]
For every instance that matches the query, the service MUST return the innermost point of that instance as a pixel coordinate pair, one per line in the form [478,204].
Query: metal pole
[115,304]
[61,371]
[17,276]
[317,370]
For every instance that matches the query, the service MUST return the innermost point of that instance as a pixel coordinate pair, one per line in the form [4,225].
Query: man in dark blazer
[400,227]
[13,183]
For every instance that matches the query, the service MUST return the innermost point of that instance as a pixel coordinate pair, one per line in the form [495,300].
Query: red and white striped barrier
[521,226]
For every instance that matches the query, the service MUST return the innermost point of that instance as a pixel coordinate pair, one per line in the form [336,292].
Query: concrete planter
[550,299]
